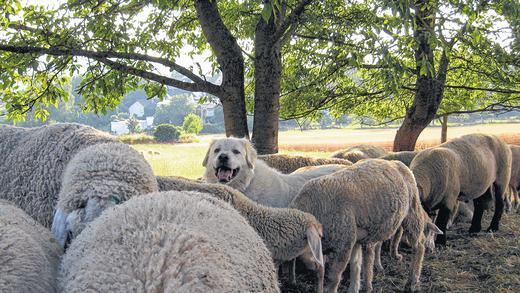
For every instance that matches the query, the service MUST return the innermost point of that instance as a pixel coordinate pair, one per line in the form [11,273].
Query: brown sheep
[472,167]
[360,152]
[290,163]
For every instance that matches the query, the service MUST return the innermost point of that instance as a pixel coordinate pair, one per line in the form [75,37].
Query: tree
[192,124]
[414,57]
[174,110]
[133,125]
[121,51]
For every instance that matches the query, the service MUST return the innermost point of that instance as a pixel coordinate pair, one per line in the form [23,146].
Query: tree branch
[496,90]
[292,19]
[198,85]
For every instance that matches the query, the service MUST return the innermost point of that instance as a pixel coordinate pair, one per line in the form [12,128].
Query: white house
[136,109]
[119,127]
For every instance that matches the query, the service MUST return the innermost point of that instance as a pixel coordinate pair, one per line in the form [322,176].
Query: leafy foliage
[167,133]
[192,124]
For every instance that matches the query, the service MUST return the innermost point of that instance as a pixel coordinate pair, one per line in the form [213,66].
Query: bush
[192,124]
[214,128]
[188,138]
[136,138]
[167,133]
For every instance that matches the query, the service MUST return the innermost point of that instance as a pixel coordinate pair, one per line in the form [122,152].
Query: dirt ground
[486,262]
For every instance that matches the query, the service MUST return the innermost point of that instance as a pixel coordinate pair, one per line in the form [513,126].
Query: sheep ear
[59,227]
[314,234]
[250,153]
[432,227]
[206,158]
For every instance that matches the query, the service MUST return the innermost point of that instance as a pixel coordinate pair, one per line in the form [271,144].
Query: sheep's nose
[223,158]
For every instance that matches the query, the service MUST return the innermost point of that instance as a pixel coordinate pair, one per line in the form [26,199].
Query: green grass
[186,159]
[174,159]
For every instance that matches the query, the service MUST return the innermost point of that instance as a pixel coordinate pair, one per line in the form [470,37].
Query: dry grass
[331,140]
[486,262]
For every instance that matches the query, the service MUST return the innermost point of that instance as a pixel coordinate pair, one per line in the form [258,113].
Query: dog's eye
[216,150]
[236,152]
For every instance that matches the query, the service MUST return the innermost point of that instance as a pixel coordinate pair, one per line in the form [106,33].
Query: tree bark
[268,71]
[229,57]
[429,87]
[444,129]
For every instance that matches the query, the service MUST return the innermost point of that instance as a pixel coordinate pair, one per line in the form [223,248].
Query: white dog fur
[261,183]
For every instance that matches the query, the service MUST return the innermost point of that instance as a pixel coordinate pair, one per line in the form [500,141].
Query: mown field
[186,159]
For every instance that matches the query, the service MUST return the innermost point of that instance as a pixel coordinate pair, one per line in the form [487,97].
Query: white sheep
[360,206]
[29,254]
[96,178]
[33,160]
[290,163]
[404,157]
[288,233]
[471,167]
[359,152]
[169,242]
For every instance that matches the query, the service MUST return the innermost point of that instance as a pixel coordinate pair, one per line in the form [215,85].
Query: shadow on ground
[486,262]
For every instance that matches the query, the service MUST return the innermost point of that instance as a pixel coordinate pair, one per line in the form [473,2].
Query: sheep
[471,167]
[288,233]
[360,206]
[169,242]
[98,177]
[512,199]
[29,254]
[404,157]
[33,160]
[359,152]
[290,163]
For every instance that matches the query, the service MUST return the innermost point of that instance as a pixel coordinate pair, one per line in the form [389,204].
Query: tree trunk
[429,88]
[268,71]
[444,128]
[235,118]
[229,57]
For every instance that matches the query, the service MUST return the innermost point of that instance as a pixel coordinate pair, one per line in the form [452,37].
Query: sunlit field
[186,159]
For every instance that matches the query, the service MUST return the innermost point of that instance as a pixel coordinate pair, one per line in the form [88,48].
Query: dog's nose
[223,157]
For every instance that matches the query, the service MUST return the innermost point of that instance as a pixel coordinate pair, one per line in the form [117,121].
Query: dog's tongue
[224,174]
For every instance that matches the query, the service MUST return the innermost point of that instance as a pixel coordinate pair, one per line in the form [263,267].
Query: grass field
[186,159]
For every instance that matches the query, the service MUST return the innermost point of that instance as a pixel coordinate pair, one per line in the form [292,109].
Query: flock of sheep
[81,211]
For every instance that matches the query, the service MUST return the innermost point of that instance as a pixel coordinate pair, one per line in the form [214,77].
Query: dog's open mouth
[225,174]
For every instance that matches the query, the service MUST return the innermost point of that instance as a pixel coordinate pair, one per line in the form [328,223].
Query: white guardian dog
[232,161]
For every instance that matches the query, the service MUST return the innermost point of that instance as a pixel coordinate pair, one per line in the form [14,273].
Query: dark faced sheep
[360,152]
[169,242]
[33,160]
[472,167]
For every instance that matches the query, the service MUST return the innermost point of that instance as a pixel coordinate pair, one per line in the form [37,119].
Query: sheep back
[290,163]
[404,157]
[359,152]
[171,242]
[29,254]
[33,160]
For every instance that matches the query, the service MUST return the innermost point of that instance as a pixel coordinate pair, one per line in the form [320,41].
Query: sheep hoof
[398,257]
[411,288]
[474,229]
[492,228]
[440,240]
[380,269]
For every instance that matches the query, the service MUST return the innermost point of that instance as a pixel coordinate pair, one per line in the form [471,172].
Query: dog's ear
[250,153]
[206,158]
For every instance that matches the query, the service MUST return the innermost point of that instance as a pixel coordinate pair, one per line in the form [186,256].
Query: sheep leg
[394,244]
[377,248]
[321,279]
[355,269]
[499,207]
[442,221]
[479,205]
[368,265]
[416,265]
[292,272]
[338,264]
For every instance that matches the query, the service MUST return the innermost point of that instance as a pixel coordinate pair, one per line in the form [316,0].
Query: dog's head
[230,161]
